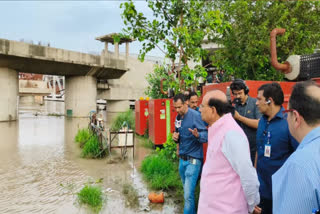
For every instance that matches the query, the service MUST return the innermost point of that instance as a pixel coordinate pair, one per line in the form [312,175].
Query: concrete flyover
[80,69]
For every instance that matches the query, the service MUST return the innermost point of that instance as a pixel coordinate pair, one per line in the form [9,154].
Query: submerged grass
[160,170]
[161,173]
[91,196]
[82,136]
[131,195]
[91,148]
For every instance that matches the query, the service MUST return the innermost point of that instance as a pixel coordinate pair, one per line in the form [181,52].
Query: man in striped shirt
[296,185]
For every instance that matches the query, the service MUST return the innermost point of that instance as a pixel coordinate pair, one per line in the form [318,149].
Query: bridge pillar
[9,91]
[114,107]
[80,96]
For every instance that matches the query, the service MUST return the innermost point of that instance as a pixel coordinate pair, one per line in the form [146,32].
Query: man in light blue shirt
[296,185]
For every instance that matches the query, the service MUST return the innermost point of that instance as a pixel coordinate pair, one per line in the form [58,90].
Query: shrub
[82,136]
[161,172]
[169,149]
[91,196]
[91,148]
[124,117]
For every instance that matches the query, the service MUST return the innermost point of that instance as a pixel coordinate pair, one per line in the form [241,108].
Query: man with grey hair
[296,185]
[229,182]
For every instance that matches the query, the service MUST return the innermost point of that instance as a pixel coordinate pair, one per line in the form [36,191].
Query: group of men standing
[255,133]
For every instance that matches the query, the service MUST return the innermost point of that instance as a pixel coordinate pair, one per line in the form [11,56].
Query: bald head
[314,92]
[305,99]
[216,94]
[219,101]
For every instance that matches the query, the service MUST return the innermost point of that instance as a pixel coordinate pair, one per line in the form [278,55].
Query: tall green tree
[178,28]
[246,52]
[153,89]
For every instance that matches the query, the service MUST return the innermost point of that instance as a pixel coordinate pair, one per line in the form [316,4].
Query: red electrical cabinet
[173,115]
[141,116]
[161,120]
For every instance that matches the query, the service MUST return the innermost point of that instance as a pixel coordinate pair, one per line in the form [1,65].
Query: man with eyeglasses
[296,185]
[229,182]
[274,141]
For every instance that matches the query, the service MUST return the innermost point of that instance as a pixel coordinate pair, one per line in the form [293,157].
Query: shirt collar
[220,121]
[184,116]
[246,102]
[313,134]
[279,114]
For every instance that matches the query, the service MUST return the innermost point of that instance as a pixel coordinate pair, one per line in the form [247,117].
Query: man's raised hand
[194,132]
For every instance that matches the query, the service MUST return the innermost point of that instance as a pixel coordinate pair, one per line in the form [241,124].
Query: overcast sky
[71,25]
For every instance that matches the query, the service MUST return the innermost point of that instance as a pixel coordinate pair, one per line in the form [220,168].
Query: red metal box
[141,116]
[161,120]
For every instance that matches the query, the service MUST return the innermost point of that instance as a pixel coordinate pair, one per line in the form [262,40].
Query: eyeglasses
[287,111]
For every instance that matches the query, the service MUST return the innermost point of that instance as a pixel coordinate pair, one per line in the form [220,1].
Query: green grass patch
[91,196]
[169,149]
[160,170]
[161,173]
[82,136]
[121,118]
[131,195]
[91,148]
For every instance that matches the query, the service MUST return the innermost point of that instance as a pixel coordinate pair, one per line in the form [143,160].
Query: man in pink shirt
[229,182]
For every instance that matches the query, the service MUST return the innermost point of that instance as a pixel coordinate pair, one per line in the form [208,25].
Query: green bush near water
[91,196]
[91,148]
[161,173]
[89,143]
[82,136]
[127,116]
[169,149]
[161,169]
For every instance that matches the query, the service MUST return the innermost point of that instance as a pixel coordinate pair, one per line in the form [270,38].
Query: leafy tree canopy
[246,52]
[178,29]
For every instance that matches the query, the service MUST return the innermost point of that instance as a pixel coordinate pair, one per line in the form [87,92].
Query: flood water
[41,170]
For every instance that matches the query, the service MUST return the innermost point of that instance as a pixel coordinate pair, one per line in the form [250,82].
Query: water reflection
[41,169]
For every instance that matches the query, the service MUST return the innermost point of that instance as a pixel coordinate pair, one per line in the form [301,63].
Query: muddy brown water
[41,170]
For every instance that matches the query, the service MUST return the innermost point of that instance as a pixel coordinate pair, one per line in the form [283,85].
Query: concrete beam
[9,89]
[34,87]
[38,59]
[131,85]
[80,96]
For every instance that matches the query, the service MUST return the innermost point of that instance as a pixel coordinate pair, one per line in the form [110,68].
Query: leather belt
[186,157]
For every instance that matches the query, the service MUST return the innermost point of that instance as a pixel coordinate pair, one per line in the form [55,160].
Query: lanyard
[268,137]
